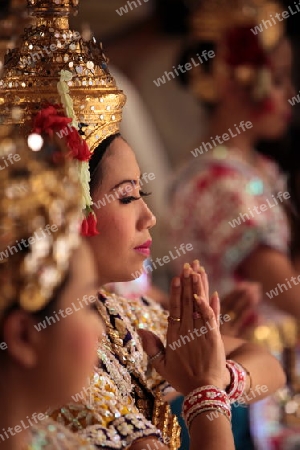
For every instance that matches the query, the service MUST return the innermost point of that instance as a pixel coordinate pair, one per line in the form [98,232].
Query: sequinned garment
[124,394]
[215,205]
[49,435]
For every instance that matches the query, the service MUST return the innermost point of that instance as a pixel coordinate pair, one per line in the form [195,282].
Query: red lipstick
[144,248]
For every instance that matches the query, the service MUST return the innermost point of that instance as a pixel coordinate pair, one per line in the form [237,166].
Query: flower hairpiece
[49,121]
[248,61]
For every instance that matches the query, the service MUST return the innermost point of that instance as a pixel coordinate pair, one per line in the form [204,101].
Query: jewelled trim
[122,432]
[49,435]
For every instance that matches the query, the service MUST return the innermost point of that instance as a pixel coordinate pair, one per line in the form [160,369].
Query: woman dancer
[75,76]
[244,233]
[39,275]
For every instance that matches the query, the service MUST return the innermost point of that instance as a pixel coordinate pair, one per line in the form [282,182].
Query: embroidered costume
[50,435]
[216,205]
[120,396]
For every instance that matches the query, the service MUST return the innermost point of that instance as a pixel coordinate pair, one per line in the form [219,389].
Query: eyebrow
[134,182]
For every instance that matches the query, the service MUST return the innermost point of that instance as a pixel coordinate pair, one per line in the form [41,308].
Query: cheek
[116,226]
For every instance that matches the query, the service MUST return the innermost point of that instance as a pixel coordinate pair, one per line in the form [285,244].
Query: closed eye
[131,198]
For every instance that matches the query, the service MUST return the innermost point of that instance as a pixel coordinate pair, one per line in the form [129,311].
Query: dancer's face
[273,124]
[124,223]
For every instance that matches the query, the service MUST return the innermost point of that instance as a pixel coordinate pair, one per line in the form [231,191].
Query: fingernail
[201,269]
[215,294]
[176,282]
[196,297]
[186,270]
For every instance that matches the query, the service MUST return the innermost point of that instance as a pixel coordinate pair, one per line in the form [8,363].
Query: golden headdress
[54,65]
[39,218]
[12,23]
[213,19]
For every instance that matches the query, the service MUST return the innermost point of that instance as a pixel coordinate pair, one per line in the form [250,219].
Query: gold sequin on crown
[12,23]
[213,18]
[48,50]
[39,218]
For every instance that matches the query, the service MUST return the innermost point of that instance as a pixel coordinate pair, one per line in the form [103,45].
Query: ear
[22,339]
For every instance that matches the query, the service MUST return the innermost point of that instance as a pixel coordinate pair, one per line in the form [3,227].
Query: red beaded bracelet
[238,377]
[203,399]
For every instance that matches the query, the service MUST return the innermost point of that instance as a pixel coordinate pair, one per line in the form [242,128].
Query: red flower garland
[247,59]
[89,225]
[244,48]
[49,121]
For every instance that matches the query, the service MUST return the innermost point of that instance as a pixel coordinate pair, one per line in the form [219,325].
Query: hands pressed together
[194,323]
[194,362]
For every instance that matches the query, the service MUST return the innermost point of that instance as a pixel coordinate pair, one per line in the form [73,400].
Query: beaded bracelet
[238,377]
[203,399]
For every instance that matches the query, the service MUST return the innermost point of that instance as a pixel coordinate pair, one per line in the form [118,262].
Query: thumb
[153,346]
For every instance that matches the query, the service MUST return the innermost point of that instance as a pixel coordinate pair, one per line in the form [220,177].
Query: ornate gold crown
[39,218]
[53,64]
[213,20]
[214,17]
[11,25]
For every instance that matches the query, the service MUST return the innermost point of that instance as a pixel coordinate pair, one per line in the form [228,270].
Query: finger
[208,316]
[154,348]
[197,292]
[205,283]
[240,306]
[196,265]
[175,307]
[243,317]
[187,300]
[203,286]
[215,306]
[235,327]
[175,298]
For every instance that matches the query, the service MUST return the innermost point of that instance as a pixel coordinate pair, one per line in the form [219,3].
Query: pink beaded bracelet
[203,399]
[238,377]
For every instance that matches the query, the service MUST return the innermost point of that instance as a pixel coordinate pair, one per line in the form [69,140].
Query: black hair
[95,161]
[188,52]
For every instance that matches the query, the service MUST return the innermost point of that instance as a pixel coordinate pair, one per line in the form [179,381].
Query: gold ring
[153,358]
[174,319]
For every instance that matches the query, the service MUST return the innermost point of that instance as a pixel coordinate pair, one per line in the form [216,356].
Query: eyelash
[127,200]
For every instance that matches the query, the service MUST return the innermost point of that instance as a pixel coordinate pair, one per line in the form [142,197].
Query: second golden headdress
[39,218]
[238,26]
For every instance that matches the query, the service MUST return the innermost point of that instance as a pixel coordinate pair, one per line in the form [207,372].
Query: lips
[144,248]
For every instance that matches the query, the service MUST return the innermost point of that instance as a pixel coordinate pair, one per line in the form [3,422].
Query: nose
[147,218]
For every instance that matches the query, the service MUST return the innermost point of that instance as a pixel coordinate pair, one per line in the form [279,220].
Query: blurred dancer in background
[229,201]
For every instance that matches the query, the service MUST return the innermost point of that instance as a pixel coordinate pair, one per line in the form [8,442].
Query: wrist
[238,381]
[203,400]
[199,383]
